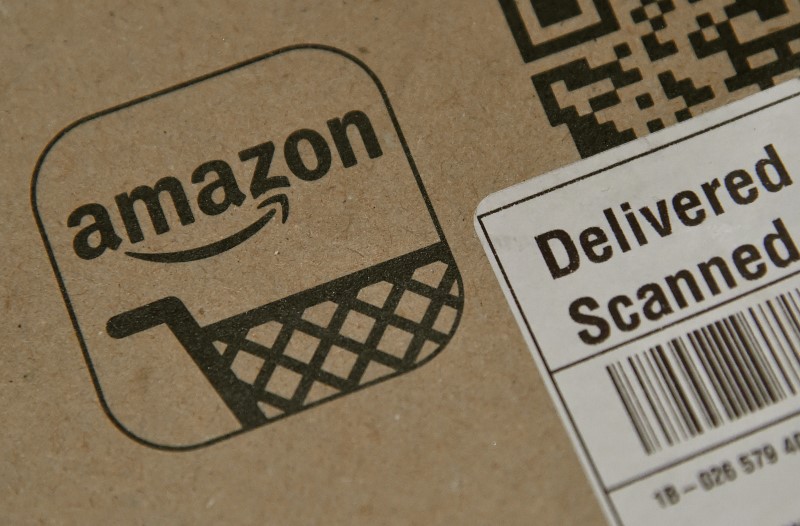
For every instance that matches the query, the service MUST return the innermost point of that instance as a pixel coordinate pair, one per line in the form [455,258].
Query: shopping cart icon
[199,314]
[354,331]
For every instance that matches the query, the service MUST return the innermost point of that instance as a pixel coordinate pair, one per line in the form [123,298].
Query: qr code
[614,71]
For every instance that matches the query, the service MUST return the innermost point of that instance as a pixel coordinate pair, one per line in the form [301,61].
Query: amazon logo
[333,272]
[307,154]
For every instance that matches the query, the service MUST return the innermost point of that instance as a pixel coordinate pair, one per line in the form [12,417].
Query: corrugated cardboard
[470,437]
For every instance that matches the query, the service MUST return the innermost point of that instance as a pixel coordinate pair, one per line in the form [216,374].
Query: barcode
[713,375]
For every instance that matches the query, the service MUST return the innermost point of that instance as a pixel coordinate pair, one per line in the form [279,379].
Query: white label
[657,287]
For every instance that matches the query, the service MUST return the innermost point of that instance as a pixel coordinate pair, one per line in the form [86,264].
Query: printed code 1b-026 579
[713,375]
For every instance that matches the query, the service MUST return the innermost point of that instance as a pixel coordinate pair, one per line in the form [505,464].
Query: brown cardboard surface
[470,437]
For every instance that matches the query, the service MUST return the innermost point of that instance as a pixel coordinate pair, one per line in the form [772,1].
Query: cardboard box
[388,122]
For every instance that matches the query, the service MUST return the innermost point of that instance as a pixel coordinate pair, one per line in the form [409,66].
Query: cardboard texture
[304,328]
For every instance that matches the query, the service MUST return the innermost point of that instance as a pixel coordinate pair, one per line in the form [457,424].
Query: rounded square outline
[73,318]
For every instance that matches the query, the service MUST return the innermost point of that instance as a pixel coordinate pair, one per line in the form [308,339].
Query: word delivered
[688,207]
